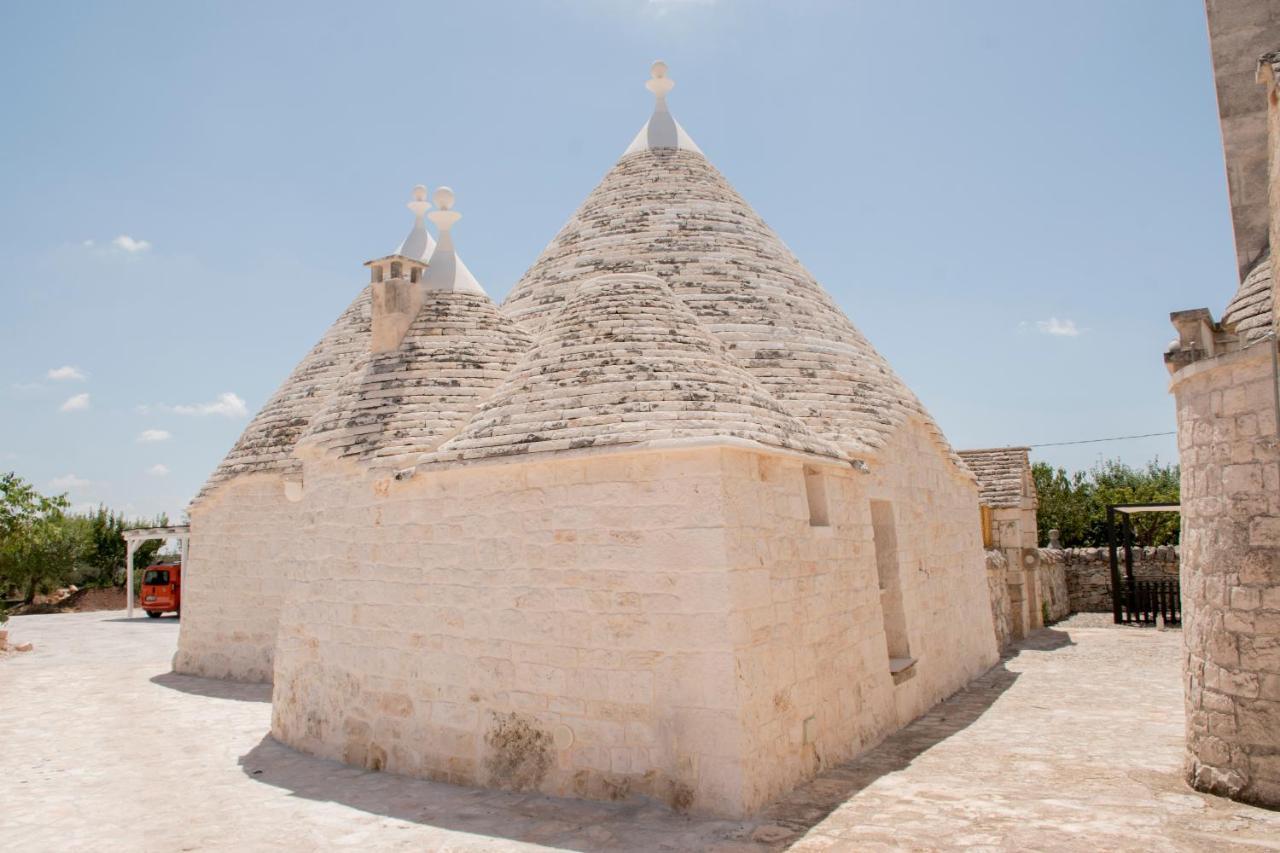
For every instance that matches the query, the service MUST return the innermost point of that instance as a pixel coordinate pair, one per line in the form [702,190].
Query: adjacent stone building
[1027,590]
[665,523]
[1227,391]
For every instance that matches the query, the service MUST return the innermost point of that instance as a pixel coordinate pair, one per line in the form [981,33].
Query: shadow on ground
[213,688]
[635,824]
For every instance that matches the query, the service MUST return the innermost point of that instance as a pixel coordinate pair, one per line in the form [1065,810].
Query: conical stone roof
[1249,312]
[407,401]
[669,212]
[622,362]
[267,443]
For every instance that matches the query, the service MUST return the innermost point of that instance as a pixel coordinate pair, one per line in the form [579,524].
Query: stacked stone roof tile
[670,213]
[624,361]
[267,443]
[408,400]
[715,329]
[1249,312]
[1003,475]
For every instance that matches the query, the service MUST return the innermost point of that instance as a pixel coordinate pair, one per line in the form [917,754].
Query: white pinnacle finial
[445,270]
[446,216]
[418,244]
[659,83]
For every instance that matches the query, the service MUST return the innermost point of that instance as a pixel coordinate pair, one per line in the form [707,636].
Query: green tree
[1076,504]
[107,550]
[39,545]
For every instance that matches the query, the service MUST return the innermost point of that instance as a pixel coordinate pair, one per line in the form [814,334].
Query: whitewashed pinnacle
[661,130]
[418,245]
[445,270]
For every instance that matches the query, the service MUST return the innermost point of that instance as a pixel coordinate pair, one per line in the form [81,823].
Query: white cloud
[65,373]
[158,470]
[88,244]
[128,244]
[78,403]
[69,483]
[1053,326]
[148,435]
[228,404]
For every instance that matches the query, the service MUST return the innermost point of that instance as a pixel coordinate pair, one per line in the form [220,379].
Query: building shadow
[214,688]
[636,824]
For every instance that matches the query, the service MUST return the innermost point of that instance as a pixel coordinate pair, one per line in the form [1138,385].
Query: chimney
[396,282]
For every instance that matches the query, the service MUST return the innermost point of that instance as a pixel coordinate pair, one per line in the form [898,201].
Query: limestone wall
[558,626]
[998,592]
[1230,454]
[661,623]
[809,613]
[1055,598]
[1087,572]
[245,548]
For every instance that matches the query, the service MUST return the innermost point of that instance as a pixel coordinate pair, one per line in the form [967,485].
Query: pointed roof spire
[445,270]
[661,130]
[418,245]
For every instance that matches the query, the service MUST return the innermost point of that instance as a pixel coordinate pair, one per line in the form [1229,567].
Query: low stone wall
[1087,573]
[998,590]
[1055,596]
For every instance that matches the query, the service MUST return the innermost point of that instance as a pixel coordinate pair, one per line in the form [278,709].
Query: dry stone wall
[1087,572]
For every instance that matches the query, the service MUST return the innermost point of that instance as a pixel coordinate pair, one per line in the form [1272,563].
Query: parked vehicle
[162,589]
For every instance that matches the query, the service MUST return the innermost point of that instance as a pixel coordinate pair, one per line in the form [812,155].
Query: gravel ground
[1074,742]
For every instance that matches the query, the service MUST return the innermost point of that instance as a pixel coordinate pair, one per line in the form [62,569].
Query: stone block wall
[1230,452]
[245,550]
[669,623]
[1086,573]
[998,593]
[1055,597]
[560,626]
[810,630]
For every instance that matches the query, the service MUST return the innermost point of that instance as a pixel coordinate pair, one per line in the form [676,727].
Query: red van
[162,589]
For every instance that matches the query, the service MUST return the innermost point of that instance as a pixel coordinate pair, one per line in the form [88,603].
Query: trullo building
[663,524]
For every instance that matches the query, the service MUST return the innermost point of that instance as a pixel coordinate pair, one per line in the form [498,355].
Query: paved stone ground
[1072,743]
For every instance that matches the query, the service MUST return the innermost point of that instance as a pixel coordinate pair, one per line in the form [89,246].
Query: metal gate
[1133,601]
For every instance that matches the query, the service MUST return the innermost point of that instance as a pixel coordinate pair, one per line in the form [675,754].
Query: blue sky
[1007,197]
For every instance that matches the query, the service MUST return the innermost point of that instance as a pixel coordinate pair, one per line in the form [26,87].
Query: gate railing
[1143,601]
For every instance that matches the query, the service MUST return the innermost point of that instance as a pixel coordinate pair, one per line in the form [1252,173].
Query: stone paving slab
[1074,742]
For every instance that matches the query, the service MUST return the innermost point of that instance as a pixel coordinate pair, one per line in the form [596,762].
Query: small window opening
[815,493]
[414,274]
[375,273]
[887,569]
[396,270]
[988,535]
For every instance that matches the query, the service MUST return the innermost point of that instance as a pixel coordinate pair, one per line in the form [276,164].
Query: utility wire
[1097,440]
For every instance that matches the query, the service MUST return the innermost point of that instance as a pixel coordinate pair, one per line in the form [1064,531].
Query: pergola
[181,532]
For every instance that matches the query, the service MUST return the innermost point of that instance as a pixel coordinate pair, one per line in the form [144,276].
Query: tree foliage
[39,544]
[107,550]
[43,546]
[1076,503]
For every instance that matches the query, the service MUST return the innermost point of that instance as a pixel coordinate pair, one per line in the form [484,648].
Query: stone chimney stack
[396,281]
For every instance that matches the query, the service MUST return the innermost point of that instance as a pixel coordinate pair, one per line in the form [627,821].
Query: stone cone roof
[624,361]
[669,212]
[1003,475]
[1249,312]
[267,443]
[407,401]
